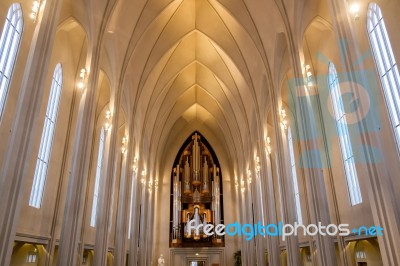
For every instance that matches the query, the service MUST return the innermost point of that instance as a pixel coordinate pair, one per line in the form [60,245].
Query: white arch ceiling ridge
[193,76]
[176,30]
[198,118]
[219,68]
[182,112]
[182,83]
[181,57]
[195,95]
[194,73]
[180,33]
[164,36]
[170,113]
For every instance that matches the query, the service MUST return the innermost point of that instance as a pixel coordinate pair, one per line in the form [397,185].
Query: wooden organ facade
[196,194]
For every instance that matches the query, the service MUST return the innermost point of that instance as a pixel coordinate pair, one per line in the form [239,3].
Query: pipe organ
[196,194]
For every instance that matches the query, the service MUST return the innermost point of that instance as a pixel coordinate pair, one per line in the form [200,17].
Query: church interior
[124,122]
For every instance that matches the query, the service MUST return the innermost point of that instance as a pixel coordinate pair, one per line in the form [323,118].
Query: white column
[271,216]
[69,253]
[111,153]
[137,188]
[123,212]
[314,182]
[289,210]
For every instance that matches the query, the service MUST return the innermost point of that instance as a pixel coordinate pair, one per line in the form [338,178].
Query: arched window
[344,137]
[294,178]
[386,64]
[46,141]
[9,44]
[98,175]
[131,205]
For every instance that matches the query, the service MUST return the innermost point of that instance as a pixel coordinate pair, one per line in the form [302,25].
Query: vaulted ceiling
[188,65]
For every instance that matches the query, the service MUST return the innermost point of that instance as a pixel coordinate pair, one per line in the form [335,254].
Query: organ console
[195,194]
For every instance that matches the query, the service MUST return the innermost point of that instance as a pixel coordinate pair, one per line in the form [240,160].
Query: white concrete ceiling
[195,64]
[192,61]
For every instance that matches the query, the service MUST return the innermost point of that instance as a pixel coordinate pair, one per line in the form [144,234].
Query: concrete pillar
[133,243]
[287,191]
[111,153]
[271,215]
[307,122]
[259,212]
[69,253]
[143,223]
[122,222]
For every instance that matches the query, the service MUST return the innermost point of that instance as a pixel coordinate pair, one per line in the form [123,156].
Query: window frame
[346,149]
[386,66]
[10,42]
[99,164]
[46,140]
[296,190]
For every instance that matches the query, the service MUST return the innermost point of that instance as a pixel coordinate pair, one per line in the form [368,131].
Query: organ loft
[196,194]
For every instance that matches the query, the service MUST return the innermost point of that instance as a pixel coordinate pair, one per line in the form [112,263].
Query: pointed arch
[46,141]
[386,66]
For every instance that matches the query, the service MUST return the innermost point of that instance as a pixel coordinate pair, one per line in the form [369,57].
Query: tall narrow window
[344,137]
[46,141]
[386,64]
[131,205]
[98,175]
[9,44]
[294,177]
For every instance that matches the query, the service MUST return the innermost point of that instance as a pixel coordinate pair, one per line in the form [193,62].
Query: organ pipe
[205,188]
[187,189]
[196,193]
[216,196]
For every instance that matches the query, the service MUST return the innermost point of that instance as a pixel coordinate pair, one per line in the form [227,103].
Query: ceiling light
[354,9]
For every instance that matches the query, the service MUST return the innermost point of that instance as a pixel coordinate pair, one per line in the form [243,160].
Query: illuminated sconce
[35,10]
[124,142]
[269,149]
[108,114]
[143,177]
[150,185]
[134,165]
[107,124]
[242,185]
[236,183]
[309,75]
[249,176]
[82,75]
[258,167]
[354,10]
[283,118]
